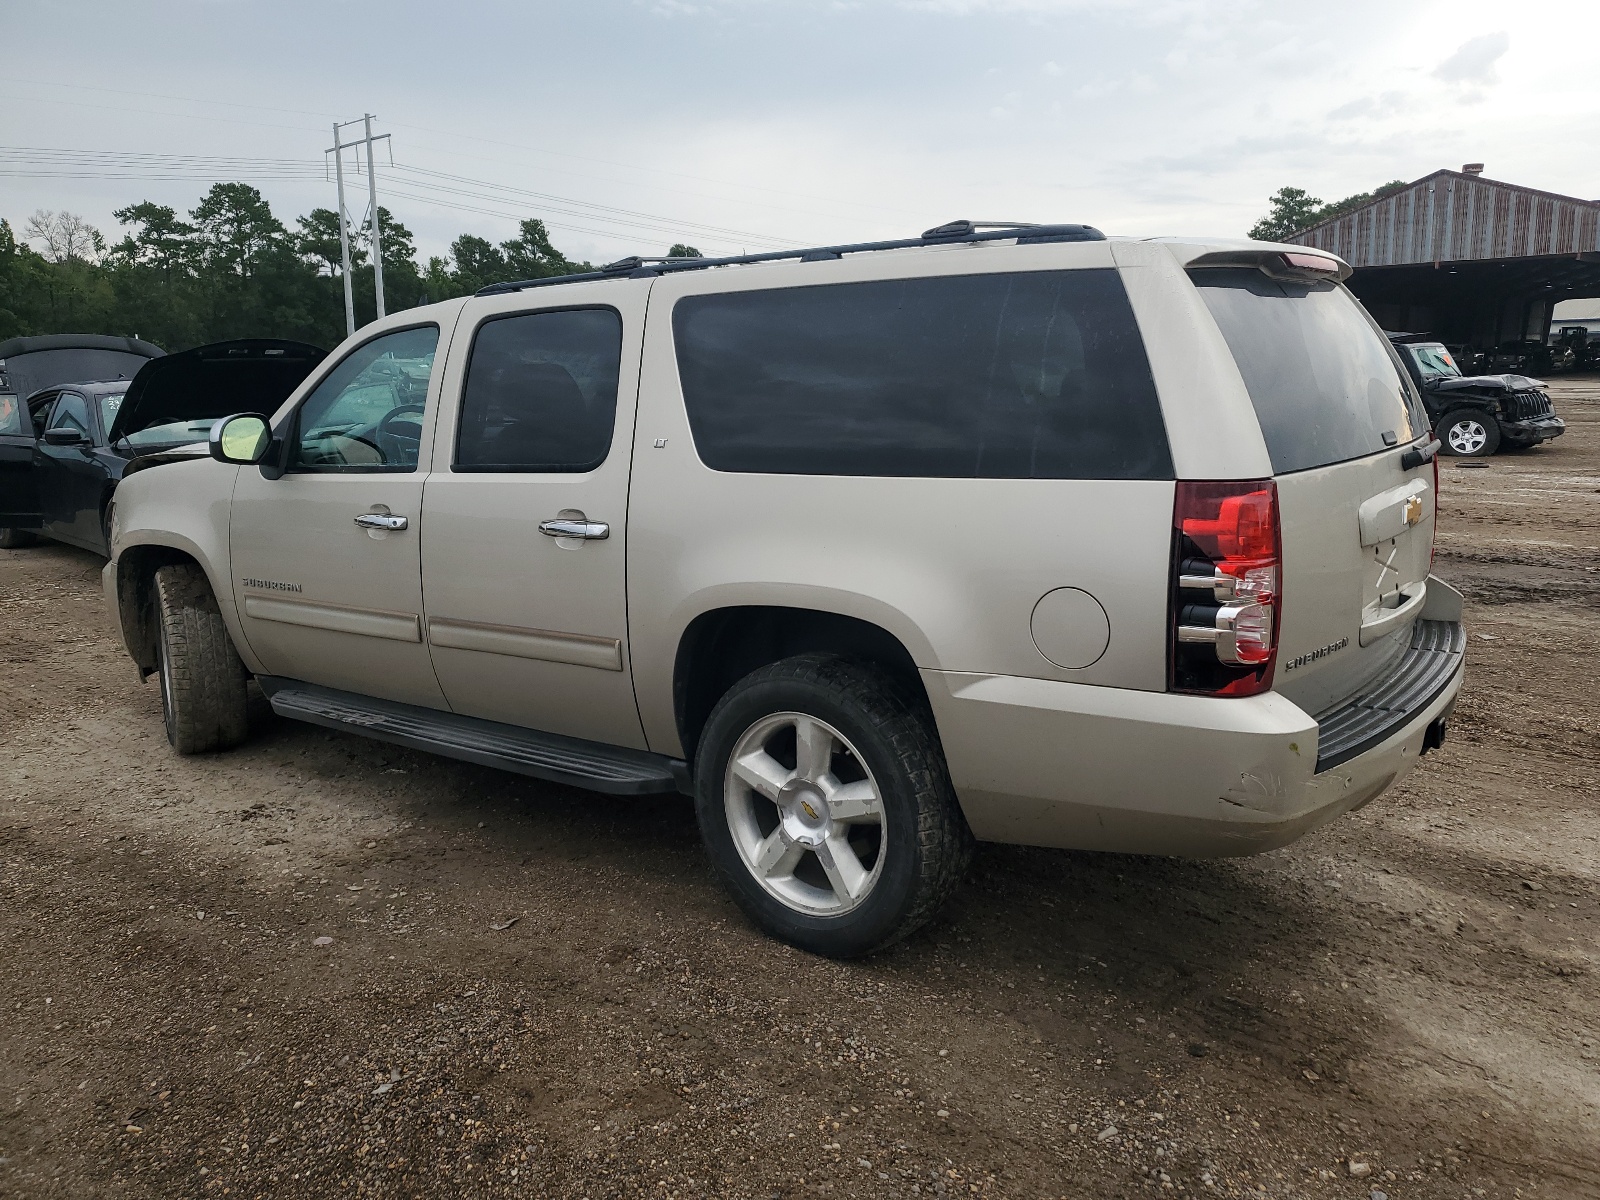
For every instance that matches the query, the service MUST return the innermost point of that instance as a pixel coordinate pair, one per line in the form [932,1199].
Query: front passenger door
[325,566]
[68,476]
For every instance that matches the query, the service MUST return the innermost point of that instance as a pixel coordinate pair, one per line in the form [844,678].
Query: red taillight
[1226,587]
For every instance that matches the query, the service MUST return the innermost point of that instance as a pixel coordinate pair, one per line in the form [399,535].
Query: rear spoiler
[1302,266]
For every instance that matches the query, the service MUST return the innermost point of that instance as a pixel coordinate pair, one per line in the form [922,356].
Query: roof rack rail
[640,267]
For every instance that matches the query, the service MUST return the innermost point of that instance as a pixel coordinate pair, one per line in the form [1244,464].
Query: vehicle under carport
[1474,262]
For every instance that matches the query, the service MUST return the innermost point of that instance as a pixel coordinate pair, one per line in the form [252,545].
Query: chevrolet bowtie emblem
[810,812]
[1413,510]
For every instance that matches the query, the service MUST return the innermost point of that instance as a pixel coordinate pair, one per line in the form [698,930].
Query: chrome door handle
[381,521]
[593,531]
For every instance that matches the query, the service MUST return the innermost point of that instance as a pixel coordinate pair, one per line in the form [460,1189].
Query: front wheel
[826,806]
[203,698]
[1469,433]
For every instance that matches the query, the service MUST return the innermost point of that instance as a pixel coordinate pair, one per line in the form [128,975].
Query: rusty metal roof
[1454,217]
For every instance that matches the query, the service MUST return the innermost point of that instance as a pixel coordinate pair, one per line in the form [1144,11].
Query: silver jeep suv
[1015,534]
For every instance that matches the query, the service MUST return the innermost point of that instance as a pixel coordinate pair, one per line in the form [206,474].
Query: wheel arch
[136,568]
[723,645]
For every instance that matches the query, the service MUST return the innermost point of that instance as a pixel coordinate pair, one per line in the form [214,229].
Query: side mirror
[65,435]
[241,439]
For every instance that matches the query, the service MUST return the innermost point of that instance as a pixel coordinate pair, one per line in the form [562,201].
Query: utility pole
[337,150]
[344,237]
[372,196]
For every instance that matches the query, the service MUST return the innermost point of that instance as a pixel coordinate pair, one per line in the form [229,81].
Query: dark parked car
[1530,354]
[1475,415]
[1583,345]
[83,436]
[29,365]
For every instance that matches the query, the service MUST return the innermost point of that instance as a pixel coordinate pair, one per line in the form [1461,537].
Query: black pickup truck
[1475,415]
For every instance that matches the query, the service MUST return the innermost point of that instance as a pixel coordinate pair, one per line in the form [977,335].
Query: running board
[591,765]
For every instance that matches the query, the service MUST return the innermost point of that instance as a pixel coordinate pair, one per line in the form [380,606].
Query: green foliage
[231,269]
[680,250]
[531,256]
[1293,210]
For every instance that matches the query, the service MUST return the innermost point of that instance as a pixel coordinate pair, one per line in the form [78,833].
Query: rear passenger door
[526,515]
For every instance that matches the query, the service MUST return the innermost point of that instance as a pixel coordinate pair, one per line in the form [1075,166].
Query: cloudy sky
[748,124]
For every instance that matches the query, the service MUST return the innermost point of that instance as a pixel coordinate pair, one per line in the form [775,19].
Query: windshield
[109,404]
[1433,360]
[174,433]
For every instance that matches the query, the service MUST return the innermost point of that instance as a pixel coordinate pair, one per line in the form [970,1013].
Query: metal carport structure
[1469,259]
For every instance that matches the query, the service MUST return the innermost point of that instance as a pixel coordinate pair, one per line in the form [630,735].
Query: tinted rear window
[1324,382]
[1039,375]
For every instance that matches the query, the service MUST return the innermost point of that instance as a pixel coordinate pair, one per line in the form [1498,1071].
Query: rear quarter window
[1036,375]
[1325,383]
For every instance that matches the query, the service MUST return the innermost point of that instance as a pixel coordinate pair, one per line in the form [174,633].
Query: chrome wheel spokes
[806,814]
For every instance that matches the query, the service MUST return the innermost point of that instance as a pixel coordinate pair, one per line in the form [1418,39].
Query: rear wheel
[1469,433]
[826,807]
[15,539]
[203,701]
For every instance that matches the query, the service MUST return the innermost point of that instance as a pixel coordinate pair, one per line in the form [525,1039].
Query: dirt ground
[534,991]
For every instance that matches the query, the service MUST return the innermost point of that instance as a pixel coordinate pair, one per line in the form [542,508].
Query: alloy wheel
[1467,436]
[806,815]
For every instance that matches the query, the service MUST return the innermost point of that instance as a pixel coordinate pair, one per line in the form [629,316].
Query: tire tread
[208,678]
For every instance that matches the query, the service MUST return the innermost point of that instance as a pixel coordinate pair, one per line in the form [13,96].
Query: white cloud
[822,121]
[1385,104]
[1474,61]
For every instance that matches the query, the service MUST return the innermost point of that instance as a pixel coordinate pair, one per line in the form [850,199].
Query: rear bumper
[1044,763]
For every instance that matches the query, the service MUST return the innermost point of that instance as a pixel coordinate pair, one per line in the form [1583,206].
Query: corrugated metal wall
[1451,217]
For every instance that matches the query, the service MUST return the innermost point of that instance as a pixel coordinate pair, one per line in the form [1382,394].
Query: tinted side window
[41,415]
[366,414]
[1325,384]
[10,414]
[1039,375]
[541,392]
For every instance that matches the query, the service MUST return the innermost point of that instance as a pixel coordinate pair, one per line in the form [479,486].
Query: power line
[453,135]
[55,162]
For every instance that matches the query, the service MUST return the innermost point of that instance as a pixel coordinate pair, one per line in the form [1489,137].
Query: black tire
[924,841]
[15,539]
[203,699]
[1468,424]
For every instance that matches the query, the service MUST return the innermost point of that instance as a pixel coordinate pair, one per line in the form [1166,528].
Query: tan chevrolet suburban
[1009,533]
